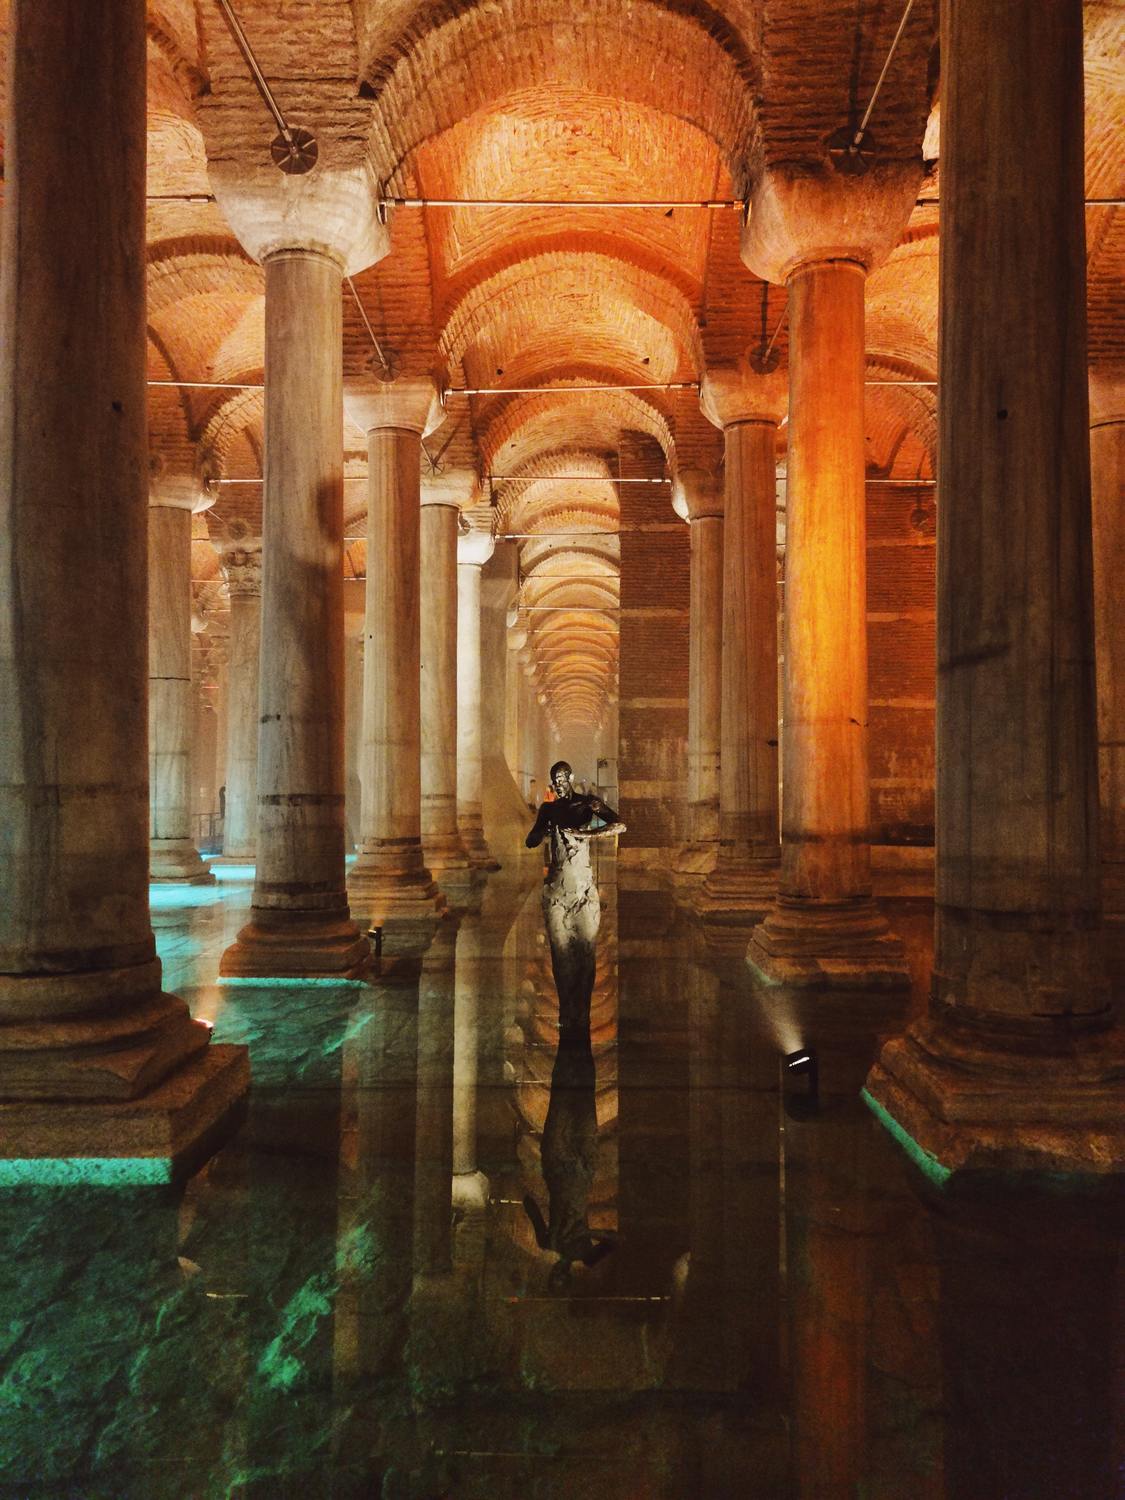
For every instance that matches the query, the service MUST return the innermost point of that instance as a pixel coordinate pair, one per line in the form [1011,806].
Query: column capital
[733,393]
[328,212]
[241,562]
[454,487]
[696,493]
[374,405]
[1107,396]
[804,217]
[188,483]
[476,544]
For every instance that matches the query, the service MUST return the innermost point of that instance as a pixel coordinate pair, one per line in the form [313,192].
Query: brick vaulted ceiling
[548,99]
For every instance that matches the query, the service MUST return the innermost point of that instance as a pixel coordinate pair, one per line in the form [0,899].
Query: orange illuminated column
[698,500]
[389,880]
[103,1077]
[443,496]
[474,548]
[1019,1062]
[242,569]
[174,496]
[1107,485]
[743,882]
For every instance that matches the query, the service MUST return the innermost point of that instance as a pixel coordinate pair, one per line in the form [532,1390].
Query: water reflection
[667,1285]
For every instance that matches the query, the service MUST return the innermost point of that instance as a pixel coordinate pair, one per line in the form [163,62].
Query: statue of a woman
[571,904]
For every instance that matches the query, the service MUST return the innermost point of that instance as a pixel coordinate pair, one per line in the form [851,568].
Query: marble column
[174,497]
[390,880]
[470,1185]
[1018,1064]
[698,500]
[300,924]
[95,1061]
[474,548]
[1107,489]
[825,929]
[443,496]
[242,569]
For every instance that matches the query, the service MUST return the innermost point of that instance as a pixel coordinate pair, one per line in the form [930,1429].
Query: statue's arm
[539,828]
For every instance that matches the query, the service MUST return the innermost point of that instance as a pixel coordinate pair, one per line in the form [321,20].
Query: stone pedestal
[474,548]
[389,880]
[1107,490]
[98,1068]
[743,883]
[242,568]
[442,498]
[698,500]
[1019,1063]
[300,924]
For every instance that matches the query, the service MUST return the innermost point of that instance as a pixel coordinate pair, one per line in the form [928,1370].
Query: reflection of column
[389,879]
[1018,1063]
[1107,488]
[825,928]
[300,923]
[470,1185]
[442,497]
[95,1061]
[433,1141]
[474,548]
[242,568]
[173,499]
[699,501]
[513,695]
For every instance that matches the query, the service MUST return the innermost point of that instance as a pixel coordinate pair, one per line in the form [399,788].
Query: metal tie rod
[661,203]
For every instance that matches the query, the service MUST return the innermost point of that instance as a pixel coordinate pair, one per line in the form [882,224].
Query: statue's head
[561,777]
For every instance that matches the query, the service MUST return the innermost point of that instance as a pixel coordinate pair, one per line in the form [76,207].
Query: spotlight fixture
[376,936]
[803,1064]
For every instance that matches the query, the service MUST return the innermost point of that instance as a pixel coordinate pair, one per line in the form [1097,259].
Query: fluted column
[300,923]
[699,501]
[1107,489]
[242,569]
[1019,1062]
[95,1062]
[389,880]
[443,495]
[474,548]
[174,497]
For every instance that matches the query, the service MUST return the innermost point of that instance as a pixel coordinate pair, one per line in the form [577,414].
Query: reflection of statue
[571,906]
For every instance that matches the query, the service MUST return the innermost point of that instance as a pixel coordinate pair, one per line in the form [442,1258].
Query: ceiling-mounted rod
[857,139]
[566,390]
[1089,202]
[251,62]
[209,385]
[900,382]
[567,478]
[179,197]
[660,203]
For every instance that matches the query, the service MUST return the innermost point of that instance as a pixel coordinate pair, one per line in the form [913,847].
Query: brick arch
[467,56]
[528,425]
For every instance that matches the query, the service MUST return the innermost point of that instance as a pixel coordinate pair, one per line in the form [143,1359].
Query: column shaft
[300,923]
[1107,484]
[389,878]
[241,825]
[441,840]
[825,928]
[83,1022]
[470,818]
[172,854]
[705,661]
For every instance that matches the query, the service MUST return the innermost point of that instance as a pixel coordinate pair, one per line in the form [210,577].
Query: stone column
[443,495]
[699,501]
[1107,487]
[300,924]
[174,497]
[242,569]
[389,880]
[474,548]
[1019,1063]
[95,1062]
[470,1185]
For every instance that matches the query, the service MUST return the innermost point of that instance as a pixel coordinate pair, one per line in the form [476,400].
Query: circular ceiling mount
[764,361]
[295,153]
[846,155]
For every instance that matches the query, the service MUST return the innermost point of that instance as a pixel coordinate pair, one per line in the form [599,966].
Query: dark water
[678,1282]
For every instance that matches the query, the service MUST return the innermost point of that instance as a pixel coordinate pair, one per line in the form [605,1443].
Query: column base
[448,862]
[178,860]
[839,945]
[470,1192]
[480,855]
[959,1108]
[232,859]
[691,866]
[738,891]
[389,882]
[161,1137]
[280,944]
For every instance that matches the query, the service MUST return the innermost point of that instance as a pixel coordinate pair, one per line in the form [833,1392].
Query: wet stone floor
[657,1274]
